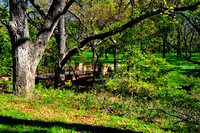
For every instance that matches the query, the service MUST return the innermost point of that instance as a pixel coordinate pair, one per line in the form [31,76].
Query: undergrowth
[63,110]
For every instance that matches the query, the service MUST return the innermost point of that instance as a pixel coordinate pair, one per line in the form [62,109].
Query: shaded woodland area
[124,62]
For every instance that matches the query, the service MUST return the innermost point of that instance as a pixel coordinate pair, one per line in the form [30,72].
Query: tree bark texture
[23,70]
[115,58]
[61,41]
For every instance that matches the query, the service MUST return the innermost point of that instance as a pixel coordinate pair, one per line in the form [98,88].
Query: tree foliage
[33,23]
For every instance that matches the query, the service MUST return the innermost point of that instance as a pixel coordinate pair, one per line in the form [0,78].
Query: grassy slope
[56,115]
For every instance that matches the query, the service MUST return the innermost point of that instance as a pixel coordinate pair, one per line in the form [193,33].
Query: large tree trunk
[24,68]
[23,71]
[27,54]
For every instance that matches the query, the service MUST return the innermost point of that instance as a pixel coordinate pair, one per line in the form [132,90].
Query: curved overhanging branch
[107,34]
[122,28]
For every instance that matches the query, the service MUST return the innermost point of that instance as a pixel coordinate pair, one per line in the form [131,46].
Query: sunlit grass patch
[35,115]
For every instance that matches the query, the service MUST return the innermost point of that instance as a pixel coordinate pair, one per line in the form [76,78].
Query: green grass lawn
[180,65]
[178,61]
[55,110]
[171,58]
[89,57]
[183,66]
[55,113]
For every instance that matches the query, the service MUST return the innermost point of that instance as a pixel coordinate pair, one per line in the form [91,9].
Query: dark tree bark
[185,36]
[191,40]
[61,41]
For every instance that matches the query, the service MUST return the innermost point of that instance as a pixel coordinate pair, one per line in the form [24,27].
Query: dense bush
[139,75]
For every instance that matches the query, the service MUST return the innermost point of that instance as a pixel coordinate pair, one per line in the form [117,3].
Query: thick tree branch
[185,8]
[54,14]
[122,28]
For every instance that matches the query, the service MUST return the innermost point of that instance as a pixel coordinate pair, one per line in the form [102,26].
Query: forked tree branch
[53,16]
[43,13]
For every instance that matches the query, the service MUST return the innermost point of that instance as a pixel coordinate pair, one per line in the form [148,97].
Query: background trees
[154,43]
[27,48]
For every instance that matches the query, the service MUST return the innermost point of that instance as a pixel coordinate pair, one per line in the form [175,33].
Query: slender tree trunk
[178,43]
[94,53]
[61,41]
[106,54]
[164,44]
[114,52]
[191,40]
[185,40]
[115,59]
[159,48]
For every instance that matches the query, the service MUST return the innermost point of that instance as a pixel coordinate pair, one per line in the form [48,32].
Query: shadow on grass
[78,127]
